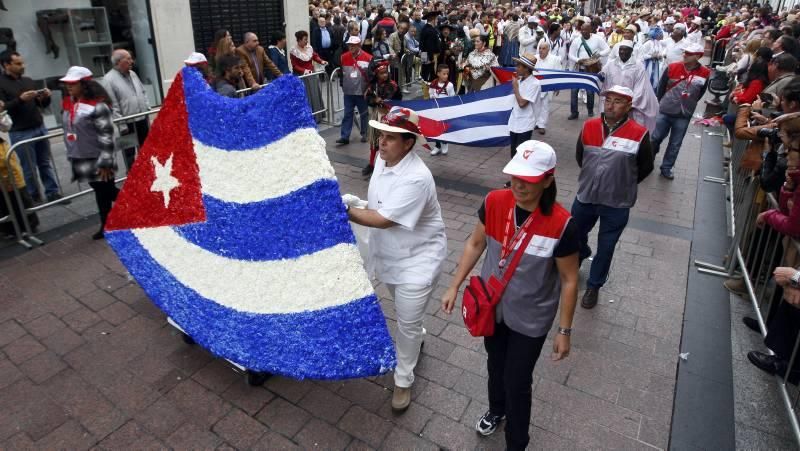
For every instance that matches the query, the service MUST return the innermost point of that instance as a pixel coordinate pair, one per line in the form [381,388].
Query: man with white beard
[628,72]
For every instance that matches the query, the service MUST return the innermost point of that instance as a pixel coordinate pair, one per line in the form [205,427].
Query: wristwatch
[795,280]
[568,332]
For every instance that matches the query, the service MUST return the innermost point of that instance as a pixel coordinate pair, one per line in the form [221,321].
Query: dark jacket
[26,115]
[316,39]
[429,41]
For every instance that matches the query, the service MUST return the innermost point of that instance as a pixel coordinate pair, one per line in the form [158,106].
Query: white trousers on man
[543,111]
[410,302]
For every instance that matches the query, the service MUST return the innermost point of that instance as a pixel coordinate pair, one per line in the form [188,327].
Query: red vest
[609,173]
[530,301]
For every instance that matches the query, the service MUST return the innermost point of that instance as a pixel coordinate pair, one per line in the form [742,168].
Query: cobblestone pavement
[88,361]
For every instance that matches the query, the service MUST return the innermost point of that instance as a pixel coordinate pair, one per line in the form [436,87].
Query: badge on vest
[617,144]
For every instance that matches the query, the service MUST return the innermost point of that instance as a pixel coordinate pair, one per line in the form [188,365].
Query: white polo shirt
[522,119]
[411,252]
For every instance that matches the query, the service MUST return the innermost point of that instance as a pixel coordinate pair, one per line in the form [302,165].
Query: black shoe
[751,324]
[488,423]
[363,139]
[667,175]
[591,113]
[99,235]
[590,298]
[367,170]
[342,141]
[768,363]
[572,117]
[56,196]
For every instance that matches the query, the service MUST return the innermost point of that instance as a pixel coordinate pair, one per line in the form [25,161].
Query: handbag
[481,297]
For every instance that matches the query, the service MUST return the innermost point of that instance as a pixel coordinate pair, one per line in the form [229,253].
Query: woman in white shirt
[652,54]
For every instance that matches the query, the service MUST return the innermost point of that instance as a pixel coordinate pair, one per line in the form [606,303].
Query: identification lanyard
[510,243]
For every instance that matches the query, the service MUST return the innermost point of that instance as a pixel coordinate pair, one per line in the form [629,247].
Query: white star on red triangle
[164,182]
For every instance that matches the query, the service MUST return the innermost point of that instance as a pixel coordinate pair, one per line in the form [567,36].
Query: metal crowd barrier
[714,48]
[321,75]
[754,254]
[24,233]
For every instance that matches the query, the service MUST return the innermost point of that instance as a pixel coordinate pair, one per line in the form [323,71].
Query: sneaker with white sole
[488,423]
[444,149]
[436,151]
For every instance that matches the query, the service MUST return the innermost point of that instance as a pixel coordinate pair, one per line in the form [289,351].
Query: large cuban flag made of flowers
[232,222]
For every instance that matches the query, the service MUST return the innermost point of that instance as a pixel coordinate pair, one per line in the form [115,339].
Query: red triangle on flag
[163,186]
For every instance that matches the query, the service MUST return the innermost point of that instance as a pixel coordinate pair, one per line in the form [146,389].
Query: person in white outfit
[675,45]
[652,54]
[407,242]
[440,88]
[528,37]
[626,71]
[546,60]
[695,34]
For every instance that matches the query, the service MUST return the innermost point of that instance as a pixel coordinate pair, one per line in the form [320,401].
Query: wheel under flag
[232,222]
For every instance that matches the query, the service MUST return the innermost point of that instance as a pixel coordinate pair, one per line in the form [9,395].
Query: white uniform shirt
[523,119]
[577,51]
[674,50]
[411,252]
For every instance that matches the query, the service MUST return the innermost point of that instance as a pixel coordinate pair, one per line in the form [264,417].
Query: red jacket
[748,95]
[786,221]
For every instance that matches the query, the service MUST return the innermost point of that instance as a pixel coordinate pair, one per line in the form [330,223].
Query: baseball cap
[626,43]
[694,49]
[617,89]
[533,161]
[353,40]
[75,74]
[195,58]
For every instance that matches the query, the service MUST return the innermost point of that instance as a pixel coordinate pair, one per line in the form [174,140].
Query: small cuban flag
[231,220]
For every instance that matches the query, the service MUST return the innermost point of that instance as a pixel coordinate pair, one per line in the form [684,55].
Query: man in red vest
[614,154]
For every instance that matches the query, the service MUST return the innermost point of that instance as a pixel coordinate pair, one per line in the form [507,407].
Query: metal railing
[25,235]
[754,253]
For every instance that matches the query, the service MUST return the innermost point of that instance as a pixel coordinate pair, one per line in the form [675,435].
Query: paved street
[88,361]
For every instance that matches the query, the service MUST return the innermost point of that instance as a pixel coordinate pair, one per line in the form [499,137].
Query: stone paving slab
[87,361]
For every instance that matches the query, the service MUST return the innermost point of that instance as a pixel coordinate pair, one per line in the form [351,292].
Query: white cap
[669,20]
[617,89]
[697,21]
[75,74]
[681,25]
[626,43]
[694,49]
[533,161]
[740,25]
[353,40]
[533,19]
[632,28]
[195,58]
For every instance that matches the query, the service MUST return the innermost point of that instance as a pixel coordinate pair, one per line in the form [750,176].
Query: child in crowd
[381,88]
[439,88]
[15,177]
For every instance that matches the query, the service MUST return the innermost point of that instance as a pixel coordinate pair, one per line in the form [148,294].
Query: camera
[770,133]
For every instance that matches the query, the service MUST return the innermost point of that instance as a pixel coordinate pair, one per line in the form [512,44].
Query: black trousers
[517,139]
[782,331]
[105,193]
[428,72]
[142,128]
[512,357]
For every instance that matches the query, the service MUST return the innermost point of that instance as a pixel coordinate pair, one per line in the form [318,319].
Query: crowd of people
[651,83]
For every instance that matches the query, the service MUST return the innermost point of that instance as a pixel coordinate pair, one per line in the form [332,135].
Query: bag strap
[586,47]
[509,272]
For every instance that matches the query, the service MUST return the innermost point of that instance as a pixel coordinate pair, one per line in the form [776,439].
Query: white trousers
[543,113]
[410,301]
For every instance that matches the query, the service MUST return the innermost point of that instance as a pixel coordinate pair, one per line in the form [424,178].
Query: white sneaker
[444,149]
[436,151]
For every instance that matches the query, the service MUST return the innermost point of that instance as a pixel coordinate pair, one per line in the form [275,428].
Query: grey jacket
[89,133]
[127,93]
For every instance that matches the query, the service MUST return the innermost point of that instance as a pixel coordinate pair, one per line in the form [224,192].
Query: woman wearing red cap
[89,138]
[545,276]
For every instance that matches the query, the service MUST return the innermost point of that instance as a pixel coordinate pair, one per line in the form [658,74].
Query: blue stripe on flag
[249,123]
[284,227]
[346,341]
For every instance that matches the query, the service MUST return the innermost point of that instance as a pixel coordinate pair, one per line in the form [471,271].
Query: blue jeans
[675,127]
[36,155]
[351,102]
[612,223]
[573,101]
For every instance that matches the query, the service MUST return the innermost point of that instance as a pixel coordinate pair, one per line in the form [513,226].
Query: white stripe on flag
[480,106]
[472,134]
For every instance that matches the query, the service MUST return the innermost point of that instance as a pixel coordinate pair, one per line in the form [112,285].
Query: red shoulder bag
[481,297]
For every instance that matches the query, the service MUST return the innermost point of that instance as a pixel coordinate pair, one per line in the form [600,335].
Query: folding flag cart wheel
[253,378]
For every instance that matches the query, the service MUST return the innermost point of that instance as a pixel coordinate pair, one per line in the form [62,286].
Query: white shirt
[523,119]
[695,37]
[597,44]
[674,50]
[527,40]
[449,91]
[411,252]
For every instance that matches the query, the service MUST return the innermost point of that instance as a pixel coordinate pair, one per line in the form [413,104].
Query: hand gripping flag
[232,222]
[480,119]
